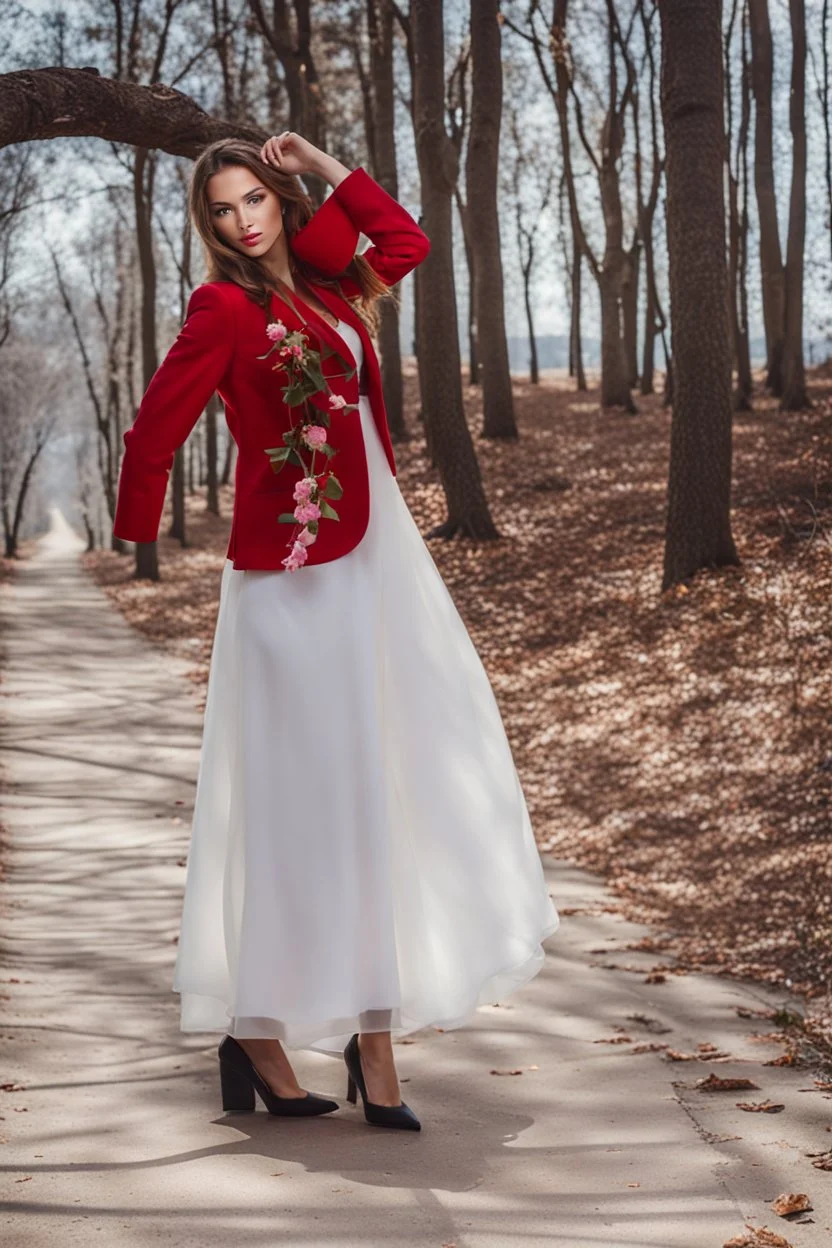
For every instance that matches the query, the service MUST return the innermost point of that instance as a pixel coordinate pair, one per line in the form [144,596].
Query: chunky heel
[352,1092]
[237,1092]
[240,1079]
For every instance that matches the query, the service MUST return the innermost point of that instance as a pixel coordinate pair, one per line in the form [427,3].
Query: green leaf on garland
[326,510]
[333,488]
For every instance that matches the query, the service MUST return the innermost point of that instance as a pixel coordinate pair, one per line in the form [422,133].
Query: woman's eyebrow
[222,203]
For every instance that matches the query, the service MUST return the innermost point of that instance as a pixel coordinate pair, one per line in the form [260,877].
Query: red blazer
[217,350]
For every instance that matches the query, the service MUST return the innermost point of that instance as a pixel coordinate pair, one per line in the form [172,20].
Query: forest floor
[680,744]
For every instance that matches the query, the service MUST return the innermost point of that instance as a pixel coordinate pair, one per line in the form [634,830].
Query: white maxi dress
[361,853]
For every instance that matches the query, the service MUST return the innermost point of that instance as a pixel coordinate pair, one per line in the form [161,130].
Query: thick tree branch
[53,103]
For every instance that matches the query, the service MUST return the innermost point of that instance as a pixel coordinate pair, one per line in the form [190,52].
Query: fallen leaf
[791,1202]
[714,1084]
[505,1072]
[760,1107]
[759,1237]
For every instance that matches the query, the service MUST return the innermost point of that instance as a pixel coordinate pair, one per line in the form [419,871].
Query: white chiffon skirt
[361,855]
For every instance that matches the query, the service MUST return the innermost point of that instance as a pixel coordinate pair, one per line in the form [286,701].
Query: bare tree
[525,165]
[439,361]
[17,190]
[736,160]
[28,416]
[610,272]
[288,36]
[654,319]
[102,383]
[378,95]
[482,161]
[795,395]
[772,274]
[699,486]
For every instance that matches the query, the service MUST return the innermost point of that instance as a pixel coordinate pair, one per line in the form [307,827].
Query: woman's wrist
[330,169]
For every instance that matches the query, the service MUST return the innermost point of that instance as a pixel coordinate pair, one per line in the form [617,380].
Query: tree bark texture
[438,332]
[795,395]
[698,530]
[54,103]
[385,171]
[482,164]
[772,274]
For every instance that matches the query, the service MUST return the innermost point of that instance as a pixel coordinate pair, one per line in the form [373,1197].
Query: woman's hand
[291,153]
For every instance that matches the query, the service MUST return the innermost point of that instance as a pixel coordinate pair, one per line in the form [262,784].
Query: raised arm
[359,205]
[178,392]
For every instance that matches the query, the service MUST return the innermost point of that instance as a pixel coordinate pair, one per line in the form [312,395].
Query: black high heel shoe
[239,1079]
[379,1115]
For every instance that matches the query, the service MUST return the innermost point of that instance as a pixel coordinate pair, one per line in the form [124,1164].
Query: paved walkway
[113,1124]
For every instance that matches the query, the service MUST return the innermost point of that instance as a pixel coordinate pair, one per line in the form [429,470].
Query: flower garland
[308,435]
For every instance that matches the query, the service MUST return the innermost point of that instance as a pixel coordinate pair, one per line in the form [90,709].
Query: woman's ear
[328,239]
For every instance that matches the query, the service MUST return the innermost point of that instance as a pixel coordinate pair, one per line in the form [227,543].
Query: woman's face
[246,214]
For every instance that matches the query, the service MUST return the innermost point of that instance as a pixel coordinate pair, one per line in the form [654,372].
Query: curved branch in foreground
[80,103]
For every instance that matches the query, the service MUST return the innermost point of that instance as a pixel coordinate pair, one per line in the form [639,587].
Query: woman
[362,863]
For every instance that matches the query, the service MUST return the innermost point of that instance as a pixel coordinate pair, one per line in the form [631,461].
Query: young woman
[362,863]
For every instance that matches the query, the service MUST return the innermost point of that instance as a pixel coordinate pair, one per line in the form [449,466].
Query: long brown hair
[226,264]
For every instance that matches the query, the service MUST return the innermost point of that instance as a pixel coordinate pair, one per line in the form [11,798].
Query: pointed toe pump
[240,1079]
[401,1116]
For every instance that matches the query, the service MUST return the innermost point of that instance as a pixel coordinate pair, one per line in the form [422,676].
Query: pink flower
[296,557]
[306,537]
[337,401]
[304,489]
[276,331]
[296,349]
[304,512]
[314,435]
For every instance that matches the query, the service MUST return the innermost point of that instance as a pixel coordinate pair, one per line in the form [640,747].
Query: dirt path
[113,1127]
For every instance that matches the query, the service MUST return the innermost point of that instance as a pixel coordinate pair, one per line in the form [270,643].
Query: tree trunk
[653,319]
[738,220]
[147,559]
[648,355]
[771,260]
[699,489]
[615,387]
[385,171]
[482,164]
[795,395]
[576,349]
[534,369]
[439,361]
[473,349]
[629,309]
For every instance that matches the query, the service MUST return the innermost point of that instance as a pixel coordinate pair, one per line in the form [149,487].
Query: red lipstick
[251,239]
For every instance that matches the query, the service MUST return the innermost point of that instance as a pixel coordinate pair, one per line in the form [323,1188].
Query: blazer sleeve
[359,205]
[173,402]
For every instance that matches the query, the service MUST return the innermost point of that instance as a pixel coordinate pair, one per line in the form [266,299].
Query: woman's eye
[255,199]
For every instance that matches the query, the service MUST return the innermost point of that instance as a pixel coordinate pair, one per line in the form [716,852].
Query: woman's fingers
[272,148]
